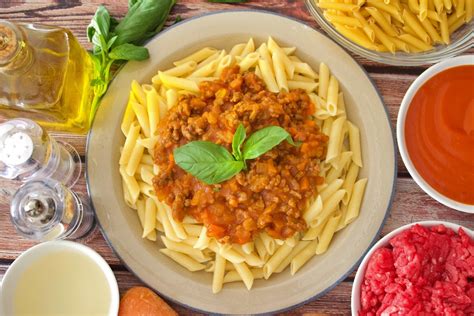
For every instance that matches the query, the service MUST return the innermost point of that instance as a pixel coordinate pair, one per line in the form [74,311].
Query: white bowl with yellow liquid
[59,278]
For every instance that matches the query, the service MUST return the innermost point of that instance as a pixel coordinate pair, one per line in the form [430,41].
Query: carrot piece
[141,301]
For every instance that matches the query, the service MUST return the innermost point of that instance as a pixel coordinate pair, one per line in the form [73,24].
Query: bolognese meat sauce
[275,189]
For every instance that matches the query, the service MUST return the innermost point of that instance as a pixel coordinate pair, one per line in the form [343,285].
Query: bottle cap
[9,36]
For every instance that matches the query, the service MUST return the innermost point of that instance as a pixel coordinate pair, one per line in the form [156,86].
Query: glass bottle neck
[15,53]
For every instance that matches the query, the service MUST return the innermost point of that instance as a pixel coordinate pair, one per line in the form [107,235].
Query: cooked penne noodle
[192,230]
[261,250]
[304,69]
[323,81]
[300,259]
[331,189]
[248,248]
[237,49]
[313,232]
[230,254]
[226,61]
[273,47]
[249,61]
[177,71]
[134,159]
[305,85]
[279,69]
[353,207]
[153,107]
[329,207]
[275,260]
[128,116]
[267,75]
[185,261]
[218,275]
[294,252]
[178,228]
[130,140]
[313,210]
[163,218]
[354,143]
[203,240]
[328,233]
[198,56]
[184,249]
[349,181]
[142,116]
[178,83]
[245,274]
[150,217]
[138,92]
[233,276]
[335,139]
[333,95]
[342,161]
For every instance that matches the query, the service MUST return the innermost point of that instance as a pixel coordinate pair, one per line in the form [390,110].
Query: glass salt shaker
[46,209]
[28,152]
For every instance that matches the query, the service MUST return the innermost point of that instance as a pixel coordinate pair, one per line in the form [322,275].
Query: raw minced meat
[424,271]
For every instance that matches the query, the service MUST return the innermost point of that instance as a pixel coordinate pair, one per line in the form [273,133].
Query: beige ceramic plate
[121,226]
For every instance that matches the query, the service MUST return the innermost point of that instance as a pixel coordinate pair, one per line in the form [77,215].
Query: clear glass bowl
[461,40]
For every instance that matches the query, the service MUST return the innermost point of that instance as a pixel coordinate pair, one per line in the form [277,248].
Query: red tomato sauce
[439,133]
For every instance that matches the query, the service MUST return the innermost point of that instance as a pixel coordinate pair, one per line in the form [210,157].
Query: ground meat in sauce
[276,188]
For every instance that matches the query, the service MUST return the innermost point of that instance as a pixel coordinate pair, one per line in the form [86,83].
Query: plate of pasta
[245,168]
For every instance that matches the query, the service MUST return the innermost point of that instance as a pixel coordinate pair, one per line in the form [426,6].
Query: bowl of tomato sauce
[435,132]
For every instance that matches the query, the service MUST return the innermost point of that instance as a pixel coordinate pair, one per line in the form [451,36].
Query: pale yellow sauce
[62,283]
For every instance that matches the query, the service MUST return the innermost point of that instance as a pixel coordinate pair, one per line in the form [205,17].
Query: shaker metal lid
[15,148]
[8,42]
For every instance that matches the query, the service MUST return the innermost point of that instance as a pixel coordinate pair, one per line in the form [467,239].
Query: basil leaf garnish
[212,163]
[264,140]
[209,162]
[237,141]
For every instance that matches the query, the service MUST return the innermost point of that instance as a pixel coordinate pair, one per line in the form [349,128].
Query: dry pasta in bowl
[293,205]
[410,26]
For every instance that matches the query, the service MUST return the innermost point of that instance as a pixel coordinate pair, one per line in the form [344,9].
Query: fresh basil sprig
[117,41]
[212,163]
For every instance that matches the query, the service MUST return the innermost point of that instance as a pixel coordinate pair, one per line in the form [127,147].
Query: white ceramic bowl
[355,296]
[15,271]
[425,76]
[121,225]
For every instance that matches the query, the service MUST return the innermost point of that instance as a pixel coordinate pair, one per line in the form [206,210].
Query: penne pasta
[198,56]
[356,199]
[275,260]
[218,275]
[185,261]
[323,81]
[294,252]
[328,233]
[301,258]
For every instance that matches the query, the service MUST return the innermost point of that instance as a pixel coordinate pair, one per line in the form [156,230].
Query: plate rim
[387,211]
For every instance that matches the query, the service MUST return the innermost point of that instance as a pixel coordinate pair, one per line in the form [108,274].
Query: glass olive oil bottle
[45,76]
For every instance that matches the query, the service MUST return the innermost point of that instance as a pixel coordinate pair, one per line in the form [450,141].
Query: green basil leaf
[113,23]
[143,19]
[111,42]
[209,162]
[131,3]
[100,23]
[129,52]
[237,141]
[264,140]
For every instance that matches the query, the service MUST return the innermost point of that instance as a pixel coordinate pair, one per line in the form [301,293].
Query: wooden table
[411,203]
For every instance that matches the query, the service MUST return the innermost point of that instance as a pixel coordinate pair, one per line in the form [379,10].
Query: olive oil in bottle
[45,76]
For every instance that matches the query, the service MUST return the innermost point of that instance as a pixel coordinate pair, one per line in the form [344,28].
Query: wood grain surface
[410,204]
